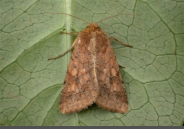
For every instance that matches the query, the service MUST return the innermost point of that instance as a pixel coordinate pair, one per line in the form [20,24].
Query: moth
[93,74]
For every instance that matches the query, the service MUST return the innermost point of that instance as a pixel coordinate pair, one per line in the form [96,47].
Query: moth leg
[53,58]
[121,66]
[120,42]
[69,33]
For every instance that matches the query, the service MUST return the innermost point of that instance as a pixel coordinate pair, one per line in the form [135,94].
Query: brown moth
[93,74]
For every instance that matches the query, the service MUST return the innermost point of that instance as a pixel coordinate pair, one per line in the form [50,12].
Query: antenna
[71,16]
[111,17]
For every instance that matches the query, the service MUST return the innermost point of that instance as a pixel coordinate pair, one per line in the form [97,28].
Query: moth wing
[79,90]
[112,95]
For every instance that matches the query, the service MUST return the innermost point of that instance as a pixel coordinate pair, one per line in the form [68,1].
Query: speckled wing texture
[80,88]
[112,95]
[93,75]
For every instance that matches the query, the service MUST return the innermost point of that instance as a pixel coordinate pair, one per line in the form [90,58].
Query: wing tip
[74,109]
[123,109]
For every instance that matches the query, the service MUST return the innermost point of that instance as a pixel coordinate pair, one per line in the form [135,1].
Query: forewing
[79,90]
[112,95]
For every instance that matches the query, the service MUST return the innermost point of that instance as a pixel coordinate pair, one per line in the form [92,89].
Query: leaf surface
[30,85]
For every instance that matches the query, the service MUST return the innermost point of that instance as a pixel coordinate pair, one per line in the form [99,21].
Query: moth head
[93,27]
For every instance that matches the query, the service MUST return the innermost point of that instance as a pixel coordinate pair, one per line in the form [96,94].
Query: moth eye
[74,66]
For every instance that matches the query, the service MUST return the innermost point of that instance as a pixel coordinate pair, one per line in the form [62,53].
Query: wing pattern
[79,90]
[93,75]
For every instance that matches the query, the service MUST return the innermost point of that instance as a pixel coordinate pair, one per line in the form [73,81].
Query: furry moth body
[93,75]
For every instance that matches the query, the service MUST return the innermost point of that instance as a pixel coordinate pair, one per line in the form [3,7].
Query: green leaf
[30,85]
